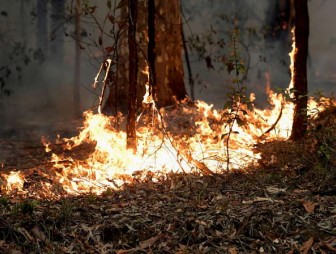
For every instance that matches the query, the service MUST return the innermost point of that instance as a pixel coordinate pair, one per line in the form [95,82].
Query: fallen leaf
[275,190]
[16,252]
[306,246]
[143,245]
[25,233]
[233,250]
[309,206]
[38,233]
[257,199]
[149,242]
[126,251]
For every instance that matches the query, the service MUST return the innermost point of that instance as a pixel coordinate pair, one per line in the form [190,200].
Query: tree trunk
[169,67]
[76,90]
[151,47]
[57,30]
[167,50]
[300,69]
[42,45]
[42,33]
[133,73]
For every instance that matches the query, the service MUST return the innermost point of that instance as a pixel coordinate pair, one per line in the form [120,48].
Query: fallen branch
[274,124]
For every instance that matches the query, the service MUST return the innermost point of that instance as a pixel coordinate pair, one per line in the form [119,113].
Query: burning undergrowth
[184,138]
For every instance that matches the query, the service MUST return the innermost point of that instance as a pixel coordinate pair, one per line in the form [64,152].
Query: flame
[182,138]
[291,55]
[188,139]
[15,181]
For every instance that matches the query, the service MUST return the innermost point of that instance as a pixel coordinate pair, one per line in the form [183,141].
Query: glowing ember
[14,181]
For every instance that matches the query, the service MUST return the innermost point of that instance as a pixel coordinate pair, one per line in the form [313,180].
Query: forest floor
[276,209]
[286,204]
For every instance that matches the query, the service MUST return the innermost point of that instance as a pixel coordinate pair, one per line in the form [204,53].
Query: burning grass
[185,138]
[283,203]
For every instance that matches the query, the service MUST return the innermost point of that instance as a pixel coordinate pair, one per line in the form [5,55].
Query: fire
[291,55]
[15,181]
[188,139]
[183,138]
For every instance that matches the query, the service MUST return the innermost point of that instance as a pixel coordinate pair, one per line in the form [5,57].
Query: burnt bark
[133,74]
[300,84]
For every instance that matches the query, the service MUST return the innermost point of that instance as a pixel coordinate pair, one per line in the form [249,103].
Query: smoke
[41,99]
[264,54]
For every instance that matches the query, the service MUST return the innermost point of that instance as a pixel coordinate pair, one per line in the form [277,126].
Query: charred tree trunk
[300,69]
[76,88]
[133,74]
[151,47]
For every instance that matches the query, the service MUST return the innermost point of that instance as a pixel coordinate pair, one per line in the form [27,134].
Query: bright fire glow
[183,138]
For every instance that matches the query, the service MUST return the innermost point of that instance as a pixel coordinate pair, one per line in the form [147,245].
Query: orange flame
[183,138]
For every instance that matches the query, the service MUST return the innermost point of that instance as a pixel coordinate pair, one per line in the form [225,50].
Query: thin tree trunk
[300,69]
[151,47]
[76,90]
[41,35]
[186,55]
[133,74]
[57,30]
[42,44]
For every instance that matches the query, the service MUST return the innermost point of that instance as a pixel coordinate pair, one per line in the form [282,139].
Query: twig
[275,123]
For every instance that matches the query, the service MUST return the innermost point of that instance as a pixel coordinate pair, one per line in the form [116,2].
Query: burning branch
[107,66]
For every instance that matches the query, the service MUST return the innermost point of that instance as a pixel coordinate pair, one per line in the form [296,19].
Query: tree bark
[169,67]
[151,47]
[169,76]
[133,74]
[300,85]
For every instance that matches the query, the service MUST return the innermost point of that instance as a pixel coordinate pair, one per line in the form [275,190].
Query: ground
[266,210]
[283,204]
